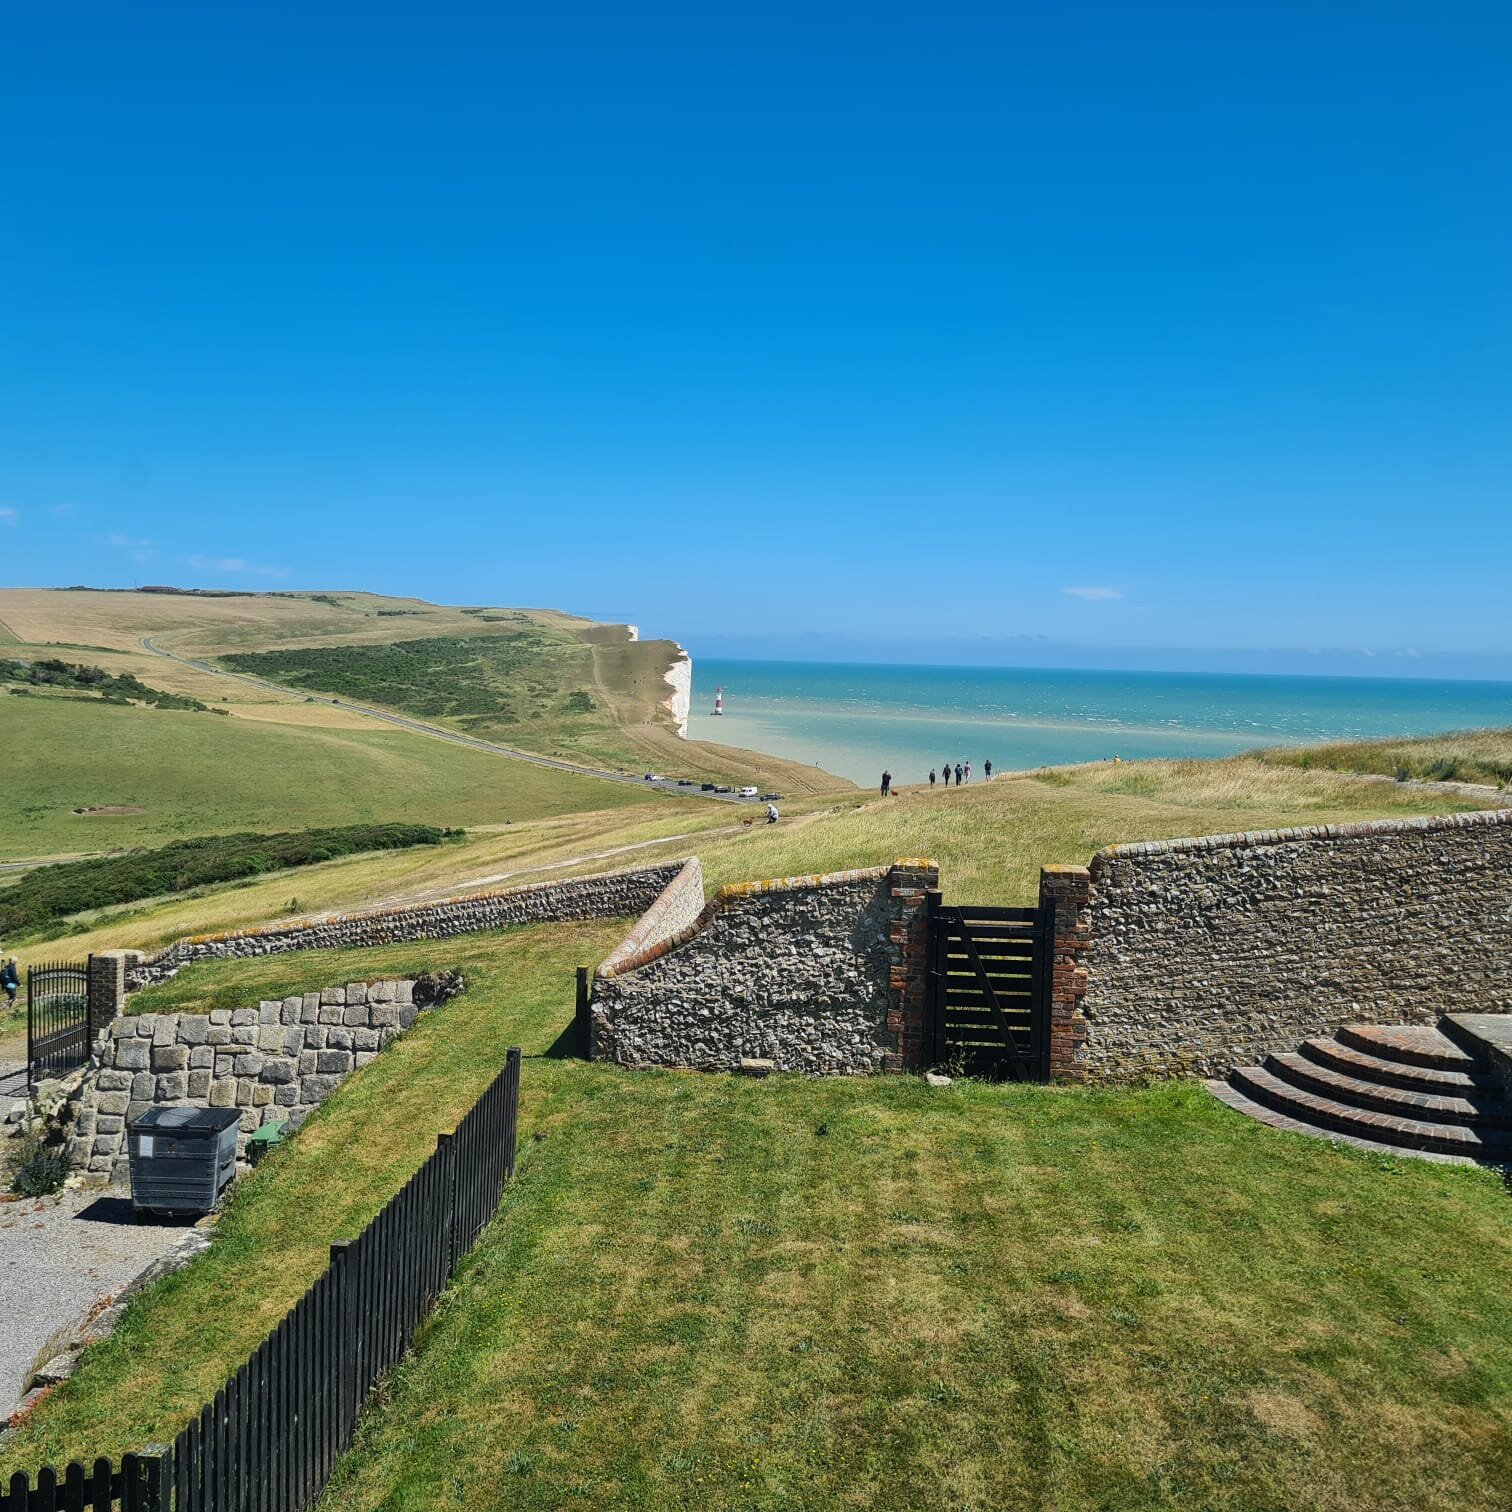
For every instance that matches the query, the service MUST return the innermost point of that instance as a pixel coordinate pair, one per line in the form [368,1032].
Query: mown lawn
[712,1292]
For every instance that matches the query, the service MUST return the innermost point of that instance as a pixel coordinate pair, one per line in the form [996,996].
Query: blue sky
[1108,332]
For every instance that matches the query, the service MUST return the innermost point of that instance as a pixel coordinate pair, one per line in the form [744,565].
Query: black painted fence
[57,1020]
[269,1440]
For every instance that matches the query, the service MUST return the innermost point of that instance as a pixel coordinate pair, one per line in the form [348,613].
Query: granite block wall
[276,1062]
[1200,955]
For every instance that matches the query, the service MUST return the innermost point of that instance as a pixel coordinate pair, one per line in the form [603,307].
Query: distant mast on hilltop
[719,700]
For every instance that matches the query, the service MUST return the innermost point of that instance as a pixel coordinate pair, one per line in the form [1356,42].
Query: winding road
[439,732]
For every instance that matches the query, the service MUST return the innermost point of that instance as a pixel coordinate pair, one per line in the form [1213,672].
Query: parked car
[746,792]
[771,797]
[724,788]
[685,782]
[707,787]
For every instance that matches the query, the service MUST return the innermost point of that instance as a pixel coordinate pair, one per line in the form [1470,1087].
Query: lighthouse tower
[719,700]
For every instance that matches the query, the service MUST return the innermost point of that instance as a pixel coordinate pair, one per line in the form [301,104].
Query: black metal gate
[57,1019]
[988,1005]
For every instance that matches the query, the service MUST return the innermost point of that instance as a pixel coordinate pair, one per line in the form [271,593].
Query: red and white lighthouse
[719,700]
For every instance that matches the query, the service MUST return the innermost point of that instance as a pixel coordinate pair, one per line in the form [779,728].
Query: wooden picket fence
[269,1440]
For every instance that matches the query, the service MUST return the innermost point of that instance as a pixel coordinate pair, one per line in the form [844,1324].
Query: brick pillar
[1068,890]
[909,885]
[107,990]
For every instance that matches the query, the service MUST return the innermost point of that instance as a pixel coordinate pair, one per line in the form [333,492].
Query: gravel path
[58,1255]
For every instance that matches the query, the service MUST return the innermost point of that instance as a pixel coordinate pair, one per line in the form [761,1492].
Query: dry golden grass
[990,840]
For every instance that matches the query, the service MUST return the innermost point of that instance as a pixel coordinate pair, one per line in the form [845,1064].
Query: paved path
[437,732]
[58,1256]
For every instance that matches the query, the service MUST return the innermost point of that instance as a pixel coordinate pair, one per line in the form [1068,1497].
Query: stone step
[1235,1099]
[1324,1113]
[1338,1056]
[1485,1111]
[1412,1044]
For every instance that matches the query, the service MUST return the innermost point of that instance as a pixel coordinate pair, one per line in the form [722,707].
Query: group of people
[961,770]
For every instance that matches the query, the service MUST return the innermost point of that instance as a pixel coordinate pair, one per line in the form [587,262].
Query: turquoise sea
[856,719]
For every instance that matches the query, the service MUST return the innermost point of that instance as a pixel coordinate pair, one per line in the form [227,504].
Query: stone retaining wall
[1205,954]
[276,1062]
[816,974]
[606,895]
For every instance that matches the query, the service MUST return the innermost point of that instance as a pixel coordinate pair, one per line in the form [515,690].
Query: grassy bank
[179,774]
[352,1156]
[712,1292]
[1482,756]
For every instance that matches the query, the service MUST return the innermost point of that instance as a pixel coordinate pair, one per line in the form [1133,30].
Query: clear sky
[1117,326]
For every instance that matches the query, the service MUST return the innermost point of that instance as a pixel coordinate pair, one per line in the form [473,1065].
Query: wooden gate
[987,1011]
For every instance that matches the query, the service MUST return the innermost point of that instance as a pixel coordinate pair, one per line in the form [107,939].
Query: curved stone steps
[1362,1091]
[1411,1044]
[1271,1118]
[1307,1107]
[1342,1057]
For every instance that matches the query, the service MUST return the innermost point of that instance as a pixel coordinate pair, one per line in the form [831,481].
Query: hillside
[85,775]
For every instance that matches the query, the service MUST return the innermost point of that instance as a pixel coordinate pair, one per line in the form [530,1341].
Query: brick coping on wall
[1253,839]
[640,946]
[621,961]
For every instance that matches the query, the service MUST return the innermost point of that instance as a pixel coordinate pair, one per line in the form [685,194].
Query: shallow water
[856,719]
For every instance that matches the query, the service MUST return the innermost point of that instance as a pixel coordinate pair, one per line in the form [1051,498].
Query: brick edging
[632,951]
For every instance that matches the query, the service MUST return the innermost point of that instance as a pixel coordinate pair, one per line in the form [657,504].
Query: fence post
[346,1348]
[934,1015]
[582,1016]
[446,1147]
[511,1110]
[147,1481]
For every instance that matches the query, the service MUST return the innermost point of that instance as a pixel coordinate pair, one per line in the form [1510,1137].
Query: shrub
[42,1169]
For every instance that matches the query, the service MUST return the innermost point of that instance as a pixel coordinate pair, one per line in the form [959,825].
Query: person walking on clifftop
[959,771]
[886,783]
[10,979]
[931,776]
[987,768]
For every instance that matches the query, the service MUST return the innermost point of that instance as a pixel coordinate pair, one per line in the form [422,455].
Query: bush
[51,893]
[42,1169]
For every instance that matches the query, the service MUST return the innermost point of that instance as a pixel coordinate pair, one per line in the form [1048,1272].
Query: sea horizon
[856,719]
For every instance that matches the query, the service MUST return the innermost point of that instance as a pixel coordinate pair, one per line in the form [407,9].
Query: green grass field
[708,1292]
[191,774]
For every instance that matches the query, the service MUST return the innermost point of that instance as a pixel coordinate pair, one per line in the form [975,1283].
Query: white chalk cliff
[680,679]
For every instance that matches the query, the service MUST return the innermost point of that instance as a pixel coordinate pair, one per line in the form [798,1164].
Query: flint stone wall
[811,974]
[1206,954]
[277,1062]
[606,895]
